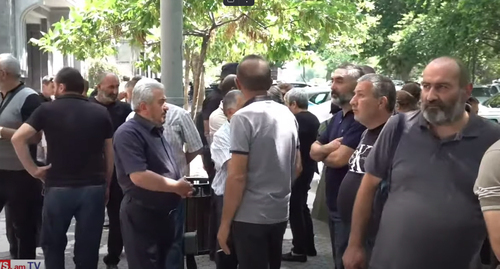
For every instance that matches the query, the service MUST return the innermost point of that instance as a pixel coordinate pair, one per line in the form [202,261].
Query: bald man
[257,191]
[107,96]
[218,118]
[431,218]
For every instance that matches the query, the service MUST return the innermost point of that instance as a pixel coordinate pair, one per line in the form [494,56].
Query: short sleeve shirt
[267,132]
[431,218]
[350,130]
[139,146]
[75,148]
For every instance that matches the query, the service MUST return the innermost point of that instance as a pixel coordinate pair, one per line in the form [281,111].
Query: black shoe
[312,252]
[292,257]
[111,266]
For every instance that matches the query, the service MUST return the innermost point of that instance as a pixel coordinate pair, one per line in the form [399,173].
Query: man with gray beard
[431,218]
[334,148]
[107,96]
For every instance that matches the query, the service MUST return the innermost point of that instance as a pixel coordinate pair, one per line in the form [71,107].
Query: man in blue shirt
[151,181]
[334,148]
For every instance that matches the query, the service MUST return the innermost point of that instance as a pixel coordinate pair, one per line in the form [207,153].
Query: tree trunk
[187,59]
[199,91]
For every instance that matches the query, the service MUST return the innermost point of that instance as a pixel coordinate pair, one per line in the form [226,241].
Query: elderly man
[334,148]
[80,154]
[431,218]
[150,178]
[300,217]
[19,192]
[180,132]
[257,191]
[373,104]
[220,150]
[107,96]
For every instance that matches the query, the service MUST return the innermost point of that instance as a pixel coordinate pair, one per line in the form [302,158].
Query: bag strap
[11,96]
[398,133]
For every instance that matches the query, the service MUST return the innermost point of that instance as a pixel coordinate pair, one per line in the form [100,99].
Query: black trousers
[21,195]
[258,246]
[300,216]
[115,241]
[222,260]
[147,234]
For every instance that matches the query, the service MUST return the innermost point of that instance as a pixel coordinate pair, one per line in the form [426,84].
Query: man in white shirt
[219,150]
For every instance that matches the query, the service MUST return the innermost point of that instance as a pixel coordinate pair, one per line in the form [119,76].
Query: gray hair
[104,74]
[143,92]
[299,96]
[382,87]
[353,70]
[231,99]
[10,64]
[275,94]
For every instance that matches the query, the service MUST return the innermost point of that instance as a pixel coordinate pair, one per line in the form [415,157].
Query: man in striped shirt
[219,150]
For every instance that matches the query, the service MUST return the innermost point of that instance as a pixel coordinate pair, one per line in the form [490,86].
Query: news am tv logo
[22,264]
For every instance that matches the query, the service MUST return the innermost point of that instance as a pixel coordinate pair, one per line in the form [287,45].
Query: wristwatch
[1,128]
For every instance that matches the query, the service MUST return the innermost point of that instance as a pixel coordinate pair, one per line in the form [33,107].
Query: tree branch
[195,33]
[229,21]
[212,18]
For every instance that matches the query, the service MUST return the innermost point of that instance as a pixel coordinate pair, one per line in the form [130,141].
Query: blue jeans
[339,235]
[175,256]
[61,204]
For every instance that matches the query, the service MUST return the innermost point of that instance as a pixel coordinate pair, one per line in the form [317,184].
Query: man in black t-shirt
[107,96]
[300,216]
[373,104]
[80,157]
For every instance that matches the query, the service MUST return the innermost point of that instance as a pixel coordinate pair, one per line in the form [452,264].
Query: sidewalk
[323,260]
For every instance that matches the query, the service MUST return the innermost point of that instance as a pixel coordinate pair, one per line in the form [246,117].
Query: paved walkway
[323,260]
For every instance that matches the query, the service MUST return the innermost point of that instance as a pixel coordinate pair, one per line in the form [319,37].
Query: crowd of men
[407,172]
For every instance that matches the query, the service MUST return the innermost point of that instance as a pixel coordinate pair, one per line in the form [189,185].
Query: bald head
[107,76]
[229,83]
[254,74]
[456,68]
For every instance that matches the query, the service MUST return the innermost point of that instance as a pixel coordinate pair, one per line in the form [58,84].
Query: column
[7,31]
[172,50]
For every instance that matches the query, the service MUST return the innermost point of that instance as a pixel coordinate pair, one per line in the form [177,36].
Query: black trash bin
[198,214]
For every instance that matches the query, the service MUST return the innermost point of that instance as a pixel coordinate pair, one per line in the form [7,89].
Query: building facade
[22,20]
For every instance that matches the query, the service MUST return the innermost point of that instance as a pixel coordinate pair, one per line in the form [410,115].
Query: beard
[341,99]
[108,98]
[439,113]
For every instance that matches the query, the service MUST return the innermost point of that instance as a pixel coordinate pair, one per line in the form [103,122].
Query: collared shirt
[217,119]
[180,132]
[431,218]
[220,151]
[267,132]
[350,130]
[139,146]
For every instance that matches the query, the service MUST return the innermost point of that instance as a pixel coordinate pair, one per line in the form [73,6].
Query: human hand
[354,258]
[184,188]
[121,95]
[335,144]
[222,237]
[41,172]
